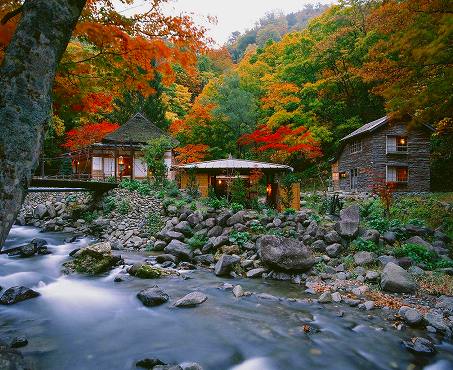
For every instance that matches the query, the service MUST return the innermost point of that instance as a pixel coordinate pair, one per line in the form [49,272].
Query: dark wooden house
[120,154]
[383,150]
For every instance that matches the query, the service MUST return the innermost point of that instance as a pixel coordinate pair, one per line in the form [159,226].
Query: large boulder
[285,254]
[144,271]
[152,296]
[40,211]
[237,218]
[364,258]
[17,294]
[93,260]
[191,300]
[348,226]
[226,264]
[180,250]
[396,279]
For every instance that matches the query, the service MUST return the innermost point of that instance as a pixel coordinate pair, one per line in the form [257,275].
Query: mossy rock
[144,271]
[87,262]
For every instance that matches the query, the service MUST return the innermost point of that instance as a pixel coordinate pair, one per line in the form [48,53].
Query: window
[355,147]
[396,144]
[397,174]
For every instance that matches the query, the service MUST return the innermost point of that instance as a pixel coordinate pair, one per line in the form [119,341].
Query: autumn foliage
[283,142]
[88,134]
[191,153]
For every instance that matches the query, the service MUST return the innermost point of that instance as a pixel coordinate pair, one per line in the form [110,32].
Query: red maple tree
[88,134]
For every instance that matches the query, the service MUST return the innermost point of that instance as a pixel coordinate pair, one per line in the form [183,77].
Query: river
[87,323]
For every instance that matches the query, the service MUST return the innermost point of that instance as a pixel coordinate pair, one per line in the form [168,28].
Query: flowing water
[86,323]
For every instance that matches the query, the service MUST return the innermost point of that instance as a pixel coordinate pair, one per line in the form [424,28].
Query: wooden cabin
[120,154]
[218,174]
[383,150]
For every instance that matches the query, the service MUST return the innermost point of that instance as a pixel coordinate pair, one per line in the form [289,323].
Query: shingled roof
[137,130]
[235,164]
[367,127]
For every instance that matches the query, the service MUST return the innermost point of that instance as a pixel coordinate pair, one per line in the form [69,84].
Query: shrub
[172,190]
[420,255]
[217,203]
[197,241]
[256,227]
[366,245]
[239,237]
[238,191]
[290,211]
[89,216]
[124,207]
[109,204]
[142,187]
[236,207]
[154,223]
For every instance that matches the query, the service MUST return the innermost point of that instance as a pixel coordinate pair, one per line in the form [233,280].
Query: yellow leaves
[57,125]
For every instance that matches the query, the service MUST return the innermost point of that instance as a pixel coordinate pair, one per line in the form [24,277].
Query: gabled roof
[237,164]
[137,130]
[367,127]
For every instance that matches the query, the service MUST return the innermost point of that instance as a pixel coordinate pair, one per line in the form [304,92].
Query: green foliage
[217,203]
[197,241]
[420,255]
[239,237]
[366,245]
[289,211]
[142,187]
[320,267]
[154,223]
[256,227]
[238,191]
[192,185]
[154,155]
[109,204]
[89,216]
[124,207]
[236,207]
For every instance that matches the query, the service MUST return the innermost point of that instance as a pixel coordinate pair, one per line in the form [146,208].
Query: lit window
[355,147]
[397,174]
[396,144]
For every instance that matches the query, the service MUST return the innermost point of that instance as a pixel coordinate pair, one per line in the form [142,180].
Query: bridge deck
[39,184]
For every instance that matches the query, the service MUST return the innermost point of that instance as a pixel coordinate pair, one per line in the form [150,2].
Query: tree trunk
[26,78]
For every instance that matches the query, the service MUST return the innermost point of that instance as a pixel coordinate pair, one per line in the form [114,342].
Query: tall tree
[26,76]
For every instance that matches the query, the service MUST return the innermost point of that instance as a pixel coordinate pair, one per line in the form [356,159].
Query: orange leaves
[280,94]
[95,102]
[191,153]
[88,134]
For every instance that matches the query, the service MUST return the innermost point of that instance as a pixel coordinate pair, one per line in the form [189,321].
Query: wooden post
[102,165]
[132,168]
[116,165]
[42,167]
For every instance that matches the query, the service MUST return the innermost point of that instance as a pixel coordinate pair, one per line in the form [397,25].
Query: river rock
[364,258]
[237,218]
[348,226]
[149,363]
[153,296]
[445,303]
[285,253]
[420,345]
[238,291]
[144,271]
[204,259]
[371,235]
[410,315]
[11,359]
[333,250]
[180,250]
[436,320]
[17,294]
[184,228]
[40,211]
[215,231]
[165,257]
[389,237]
[225,264]
[256,273]
[190,366]
[19,342]
[325,297]
[396,279]
[191,300]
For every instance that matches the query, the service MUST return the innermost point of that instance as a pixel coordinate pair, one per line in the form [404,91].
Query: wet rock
[256,273]
[10,359]
[364,258]
[180,250]
[191,300]
[420,345]
[348,226]
[436,320]
[445,303]
[190,366]
[149,363]
[17,294]
[325,297]
[285,253]
[336,297]
[27,250]
[19,342]
[165,257]
[38,242]
[367,305]
[226,264]
[238,291]
[395,279]
[410,315]
[144,271]
[267,296]
[153,296]
[204,259]
[93,260]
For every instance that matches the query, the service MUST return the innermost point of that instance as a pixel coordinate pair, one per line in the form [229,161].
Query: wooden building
[383,150]
[120,153]
[218,174]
